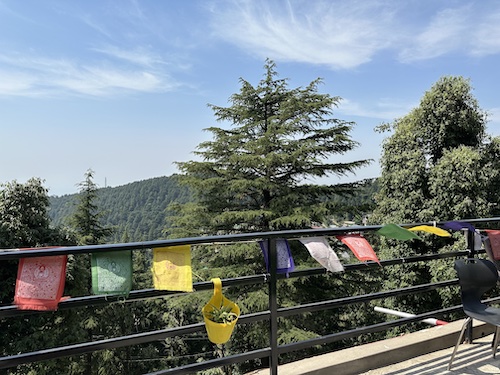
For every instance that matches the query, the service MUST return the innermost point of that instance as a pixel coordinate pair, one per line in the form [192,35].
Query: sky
[122,86]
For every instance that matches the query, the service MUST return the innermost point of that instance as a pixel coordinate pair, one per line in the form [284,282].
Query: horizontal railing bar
[362,330]
[146,337]
[141,338]
[372,328]
[325,305]
[135,295]
[11,254]
[205,365]
[116,342]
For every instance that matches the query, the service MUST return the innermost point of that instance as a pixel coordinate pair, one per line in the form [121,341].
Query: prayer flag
[172,268]
[457,226]
[397,232]
[112,272]
[284,255]
[494,237]
[430,229]
[359,246]
[40,282]
[320,249]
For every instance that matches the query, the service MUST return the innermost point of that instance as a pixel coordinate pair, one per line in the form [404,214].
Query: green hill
[136,211]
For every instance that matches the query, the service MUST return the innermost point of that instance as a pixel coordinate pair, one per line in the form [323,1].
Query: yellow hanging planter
[220,315]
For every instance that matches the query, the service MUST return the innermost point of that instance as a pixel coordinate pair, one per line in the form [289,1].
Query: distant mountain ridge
[136,211]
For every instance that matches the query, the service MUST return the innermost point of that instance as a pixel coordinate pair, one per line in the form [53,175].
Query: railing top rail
[11,254]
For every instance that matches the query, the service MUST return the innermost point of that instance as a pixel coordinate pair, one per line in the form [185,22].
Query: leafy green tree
[256,175]
[438,164]
[24,222]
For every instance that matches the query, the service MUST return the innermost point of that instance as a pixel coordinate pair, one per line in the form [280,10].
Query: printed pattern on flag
[40,282]
[320,249]
[112,272]
[172,268]
[359,246]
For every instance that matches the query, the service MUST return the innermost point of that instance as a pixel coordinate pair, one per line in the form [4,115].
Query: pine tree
[257,175]
[85,220]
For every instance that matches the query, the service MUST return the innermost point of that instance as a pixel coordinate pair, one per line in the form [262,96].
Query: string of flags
[40,280]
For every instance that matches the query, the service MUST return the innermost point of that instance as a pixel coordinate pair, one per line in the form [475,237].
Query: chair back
[476,277]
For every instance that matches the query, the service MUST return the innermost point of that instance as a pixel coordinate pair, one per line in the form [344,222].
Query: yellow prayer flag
[431,229]
[172,268]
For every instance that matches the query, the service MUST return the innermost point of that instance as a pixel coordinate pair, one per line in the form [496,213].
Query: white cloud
[344,35]
[35,76]
[138,56]
[445,33]
[340,35]
[384,109]
[486,38]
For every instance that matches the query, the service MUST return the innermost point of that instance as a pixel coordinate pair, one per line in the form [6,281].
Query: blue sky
[122,86]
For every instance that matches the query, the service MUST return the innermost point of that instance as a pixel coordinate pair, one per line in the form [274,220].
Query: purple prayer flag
[285,260]
[456,225]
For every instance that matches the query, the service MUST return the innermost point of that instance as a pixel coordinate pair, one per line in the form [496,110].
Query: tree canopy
[437,158]
[438,164]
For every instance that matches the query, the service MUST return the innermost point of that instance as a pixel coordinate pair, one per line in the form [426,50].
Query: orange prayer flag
[40,282]
[359,246]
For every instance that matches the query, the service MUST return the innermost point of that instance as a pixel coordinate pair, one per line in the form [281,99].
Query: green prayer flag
[112,272]
[397,232]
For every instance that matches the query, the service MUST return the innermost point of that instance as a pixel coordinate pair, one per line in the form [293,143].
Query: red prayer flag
[40,282]
[494,236]
[359,246]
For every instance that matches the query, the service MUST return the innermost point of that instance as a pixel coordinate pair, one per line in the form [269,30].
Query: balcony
[403,352]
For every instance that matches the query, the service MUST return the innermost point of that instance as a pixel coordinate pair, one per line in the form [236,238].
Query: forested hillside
[136,211]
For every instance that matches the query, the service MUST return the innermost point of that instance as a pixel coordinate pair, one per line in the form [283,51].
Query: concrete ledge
[367,357]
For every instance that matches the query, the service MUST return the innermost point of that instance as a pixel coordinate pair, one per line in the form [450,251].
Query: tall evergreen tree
[86,218]
[256,175]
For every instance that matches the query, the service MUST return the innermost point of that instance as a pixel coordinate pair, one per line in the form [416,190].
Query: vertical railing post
[273,305]
[471,242]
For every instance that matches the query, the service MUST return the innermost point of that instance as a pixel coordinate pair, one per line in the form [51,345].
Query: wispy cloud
[29,75]
[445,33]
[486,38]
[341,35]
[107,56]
[344,35]
[139,56]
[385,109]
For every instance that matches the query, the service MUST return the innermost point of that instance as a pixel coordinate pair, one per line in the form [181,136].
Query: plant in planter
[220,315]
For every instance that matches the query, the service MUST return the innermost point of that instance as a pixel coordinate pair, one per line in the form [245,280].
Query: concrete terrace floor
[421,353]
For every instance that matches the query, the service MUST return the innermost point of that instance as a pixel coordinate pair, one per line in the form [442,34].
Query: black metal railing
[273,351]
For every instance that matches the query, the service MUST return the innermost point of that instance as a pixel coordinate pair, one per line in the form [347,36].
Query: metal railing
[273,351]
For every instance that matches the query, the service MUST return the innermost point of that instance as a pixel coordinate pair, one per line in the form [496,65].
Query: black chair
[476,277]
